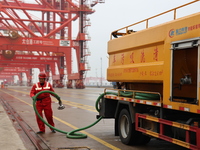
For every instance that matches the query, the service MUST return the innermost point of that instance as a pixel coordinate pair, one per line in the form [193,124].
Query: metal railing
[174,10]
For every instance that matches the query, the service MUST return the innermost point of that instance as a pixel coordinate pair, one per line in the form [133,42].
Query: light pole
[101,71]
[96,78]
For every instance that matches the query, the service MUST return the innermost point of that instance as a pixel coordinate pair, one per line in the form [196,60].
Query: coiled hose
[140,95]
[72,134]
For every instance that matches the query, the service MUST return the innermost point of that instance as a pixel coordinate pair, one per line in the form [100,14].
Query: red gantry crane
[16,71]
[43,63]
[46,28]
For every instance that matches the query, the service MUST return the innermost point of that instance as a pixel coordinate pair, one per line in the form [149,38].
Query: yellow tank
[164,58]
[140,56]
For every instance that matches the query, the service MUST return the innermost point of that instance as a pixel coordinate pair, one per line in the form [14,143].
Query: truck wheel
[126,127]
[127,132]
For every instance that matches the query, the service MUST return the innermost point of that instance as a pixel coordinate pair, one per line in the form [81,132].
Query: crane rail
[31,138]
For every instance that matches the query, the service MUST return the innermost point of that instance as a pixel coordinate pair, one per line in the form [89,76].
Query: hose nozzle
[61,107]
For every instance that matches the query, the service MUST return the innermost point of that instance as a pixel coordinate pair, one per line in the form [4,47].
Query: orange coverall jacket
[43,103]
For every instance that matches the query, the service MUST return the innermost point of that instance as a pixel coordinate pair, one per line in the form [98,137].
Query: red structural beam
[27,65]
[31,58]
[19,69]
[7,63]
[9,73]
[5,76]
[34,44]
[13,73]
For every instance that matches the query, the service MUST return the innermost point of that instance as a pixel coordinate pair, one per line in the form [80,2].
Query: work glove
[61,107]
[59,101]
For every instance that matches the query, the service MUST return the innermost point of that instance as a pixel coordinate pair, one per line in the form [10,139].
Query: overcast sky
[115,14]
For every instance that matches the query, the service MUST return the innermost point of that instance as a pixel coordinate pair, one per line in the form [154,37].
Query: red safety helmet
[42,75]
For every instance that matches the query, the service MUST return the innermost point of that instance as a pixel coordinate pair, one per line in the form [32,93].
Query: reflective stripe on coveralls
[45,88]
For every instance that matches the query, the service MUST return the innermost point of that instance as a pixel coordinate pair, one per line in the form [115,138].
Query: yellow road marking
[81,91]
[72,126]
[66,102]
[90,135]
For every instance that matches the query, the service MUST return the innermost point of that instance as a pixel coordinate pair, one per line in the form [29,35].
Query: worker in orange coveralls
[43,102]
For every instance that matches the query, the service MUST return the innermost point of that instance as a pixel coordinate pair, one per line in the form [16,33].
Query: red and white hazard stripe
[148,102]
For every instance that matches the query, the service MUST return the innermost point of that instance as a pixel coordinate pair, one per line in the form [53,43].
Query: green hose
[70,134]
[99,98]
[146,96]
[126,93]
[140,95]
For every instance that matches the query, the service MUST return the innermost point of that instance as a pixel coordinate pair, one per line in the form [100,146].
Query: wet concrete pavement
[79,112]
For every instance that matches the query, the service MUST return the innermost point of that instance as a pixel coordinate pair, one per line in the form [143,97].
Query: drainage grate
[74,148]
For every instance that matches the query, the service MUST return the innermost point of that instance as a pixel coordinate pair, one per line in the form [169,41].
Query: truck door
[185,71]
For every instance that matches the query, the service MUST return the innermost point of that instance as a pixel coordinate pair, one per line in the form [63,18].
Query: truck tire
[127,132]
[126,127]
